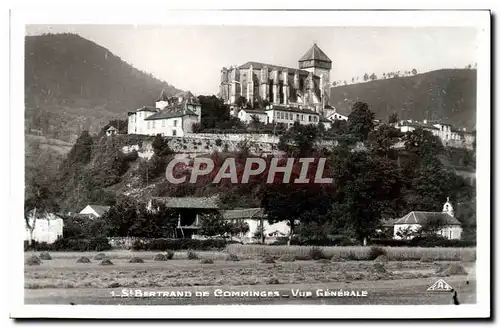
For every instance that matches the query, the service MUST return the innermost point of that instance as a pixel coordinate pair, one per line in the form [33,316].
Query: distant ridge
[447,94]
[81,85]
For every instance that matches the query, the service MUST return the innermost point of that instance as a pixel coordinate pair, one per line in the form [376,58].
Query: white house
[46,229]
[288,115]
[338,115]
[246,115]
[446,132]
[450,227]
[172,116]
[95,210]
[255,218]
[111,131]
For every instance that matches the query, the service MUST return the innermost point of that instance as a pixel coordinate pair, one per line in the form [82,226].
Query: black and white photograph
[251,158]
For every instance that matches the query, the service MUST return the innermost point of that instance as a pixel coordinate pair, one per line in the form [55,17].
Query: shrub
[316,253]
[301,257]
[424,241]
[45,256]
[376,252]
[426,259]
[106,262]
[324,261]
[381,259]
[232,257]
[337,258]
[272,281]
[452,270]
[268,259]
[136,260]
[100,256]
[206,261]
[378,268]
[83,259]
[170,254]
[287,258]
[160,257]
[218,142]
[191,255]
[33,260]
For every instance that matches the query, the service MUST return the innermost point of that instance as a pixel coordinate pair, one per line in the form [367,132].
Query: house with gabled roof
[171,116]
[445,222]
[93,210]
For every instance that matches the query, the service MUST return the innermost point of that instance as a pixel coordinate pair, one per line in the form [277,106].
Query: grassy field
[62,279]
[359,252]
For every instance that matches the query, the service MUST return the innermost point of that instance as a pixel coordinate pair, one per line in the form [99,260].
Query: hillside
[448,94]
[73,84]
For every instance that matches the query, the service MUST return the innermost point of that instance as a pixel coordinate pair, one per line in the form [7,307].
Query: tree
[368,188]
[373,77]
[366,77]
[299,140]
[414,71]
[360,120]
[213,224]
[380,141]
[240,101]
[422,143]
[393,118]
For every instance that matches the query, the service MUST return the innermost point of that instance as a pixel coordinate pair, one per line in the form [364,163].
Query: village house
[447,225]
[45,229]
[289,115]
[449,135]
[171,116]
[94,211]
[338,114]
[192,209]
[111,131]
[250,115]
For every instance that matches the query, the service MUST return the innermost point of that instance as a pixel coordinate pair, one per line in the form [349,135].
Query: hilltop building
[449,226]
[449,135]
[171,116]
[261,84]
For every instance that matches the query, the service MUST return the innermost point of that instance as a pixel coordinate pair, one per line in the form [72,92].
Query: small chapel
[450,227]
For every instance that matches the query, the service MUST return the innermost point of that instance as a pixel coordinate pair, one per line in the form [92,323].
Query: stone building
[263,84]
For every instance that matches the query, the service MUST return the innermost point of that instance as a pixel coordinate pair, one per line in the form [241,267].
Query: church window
[153,124]
[309,118]
[286,116]
[301,117]
[174,132]
[175,122]
[297,117]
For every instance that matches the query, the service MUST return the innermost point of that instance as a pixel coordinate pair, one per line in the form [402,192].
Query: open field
[360,252]
[61,280]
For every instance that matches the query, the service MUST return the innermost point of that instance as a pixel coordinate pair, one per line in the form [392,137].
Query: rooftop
[166,114]
[421,218]
[257,65]
[243,213]
[189,202]
[315,53]
[292,109]
[99,209]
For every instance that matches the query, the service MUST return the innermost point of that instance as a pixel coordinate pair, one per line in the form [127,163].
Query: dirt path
[395,292]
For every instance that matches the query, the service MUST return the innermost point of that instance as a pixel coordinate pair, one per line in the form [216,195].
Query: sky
[191,57]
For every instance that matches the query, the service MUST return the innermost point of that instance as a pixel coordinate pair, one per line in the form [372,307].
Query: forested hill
[447,94]
[73,84]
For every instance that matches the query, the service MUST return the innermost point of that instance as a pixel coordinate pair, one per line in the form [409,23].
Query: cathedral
[260,84]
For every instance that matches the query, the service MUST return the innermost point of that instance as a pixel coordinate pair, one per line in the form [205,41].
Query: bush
[191,255]
[100,256]
[45,256]
[375,252]
[170,255]
[33,260]
[381,259]
[106,262]
[136,260]
[316,253]
[83,259]
[206,261]
[268,259]
[232,257]
[160,257]
[287,258]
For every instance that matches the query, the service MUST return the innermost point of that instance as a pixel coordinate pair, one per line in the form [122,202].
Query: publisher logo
[440,286]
